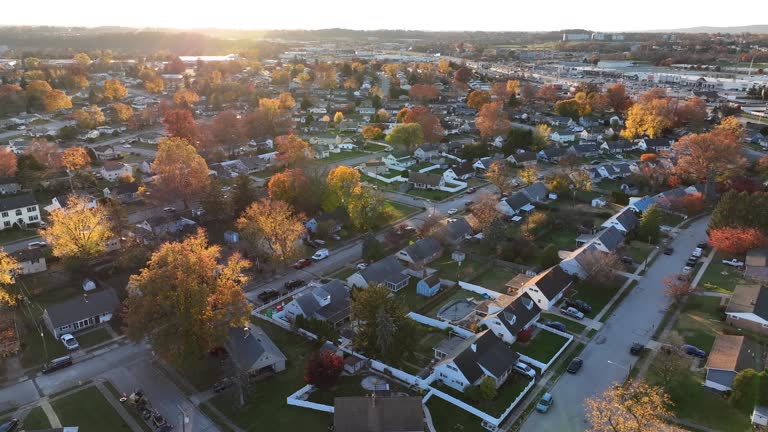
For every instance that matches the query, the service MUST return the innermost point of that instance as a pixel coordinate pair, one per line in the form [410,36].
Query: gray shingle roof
[551,282]
[382,414]
[523,157]
[82,307]
[523,309]
[425,178]
[517,201]
[17,201]
[490,352]
[455,231]
[536,191]
[423,248]
[388,269]
[246,348]
[611,238]
[627,219]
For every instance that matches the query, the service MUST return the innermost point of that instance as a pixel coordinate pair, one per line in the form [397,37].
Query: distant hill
[759,28]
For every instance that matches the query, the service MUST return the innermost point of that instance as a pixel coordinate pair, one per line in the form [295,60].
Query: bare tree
[599,266]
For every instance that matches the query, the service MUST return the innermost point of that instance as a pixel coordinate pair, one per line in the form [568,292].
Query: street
[606,357]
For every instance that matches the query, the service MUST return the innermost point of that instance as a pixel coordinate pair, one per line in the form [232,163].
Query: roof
[387,269]
[642,204]
[378,414]
[749,299]
[627,218]
[523,157]
[427,147]
[585,148]
[518,281]
[17,201]
[486,350]
[619,145]
[553,152]
[517,201]
[463,169]
[425,178]
[455,231]
[449,344]
[656,142]
[103,148]
[611,238]
[335,311]
[28,254]
[82,307]
[730,353]
[8,180]
[125,188]
[519,313]
[551,282]
[423,249]
[536,191]
[113,166]
[248,347]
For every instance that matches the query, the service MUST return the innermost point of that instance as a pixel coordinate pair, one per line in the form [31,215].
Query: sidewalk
[127,418]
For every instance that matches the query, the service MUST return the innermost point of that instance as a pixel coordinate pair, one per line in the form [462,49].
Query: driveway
[607,358]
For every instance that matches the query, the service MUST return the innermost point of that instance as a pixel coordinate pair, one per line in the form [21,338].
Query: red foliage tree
[424,92]
[463,75]
[525,335]
[257,124]
[226,131]
[180,123]
[674,181]
[616,98]
[692,204]
[739,184]
[677,290]
[492,121]
[323,369]
[7,163]
[649,157]
[736,240]
[430,124]
[175,66]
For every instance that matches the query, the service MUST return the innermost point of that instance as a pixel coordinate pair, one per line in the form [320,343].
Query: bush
[620,198]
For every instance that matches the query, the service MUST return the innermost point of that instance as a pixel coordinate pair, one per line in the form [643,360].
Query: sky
[486,15]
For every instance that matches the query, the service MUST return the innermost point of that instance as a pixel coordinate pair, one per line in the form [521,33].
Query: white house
[31,260]
[654,145]
[398,163]
[111,170]
[19,210]
[459,172]
[625,221]
[387,271]
[60,202]
[81,312]
[748,308]
[548,287]
[515,204]
[563,137]
[426,152]
[507,316]
[422,252]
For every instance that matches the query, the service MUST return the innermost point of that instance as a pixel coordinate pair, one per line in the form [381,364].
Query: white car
[126,145]
[697,252]
[524,369]
[733,263]
[320,254]
[69,341]
[452,211]
[36,244]
[362,266]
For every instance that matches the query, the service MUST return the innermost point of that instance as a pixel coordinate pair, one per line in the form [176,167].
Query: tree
[430,124]
[529,175]
[616,98]
[82,59]
[185,98]
[287,185]
[568,108]
[547,93]
[402,114]
[631,407]
[492,121]
[733,125]
[343,182]
[338,117]
[500,175]
[364,207]
[384,330]
[179,123]
[286,101]
[257,124]
[549,256]
[121,113]
[175,66]
[45,153]
[676,290]
[423,92]
[649,157]
[737,239]
[711,153]
[535,223]
[484,210]
[36,91]
[372,133]
[762,165]
[78,231]
[463,75]
[113,90]
[670,364]
[691,204]
[8,165]
[693,111]
[9,268]
[558,183]
[650,223]
[650,118]
[183,282]
[488,388]
[90,117]
[478,98]
[744,389]
[56,100]
[212,201]
[323,369]
[226,131]
[373,250]
[243,193]
[599,266]
[292,150]
[528,92]
[75,159]
[154,85]
[272,226]
[409,135]
[181,172]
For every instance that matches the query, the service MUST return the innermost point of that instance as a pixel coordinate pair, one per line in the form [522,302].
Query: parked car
[556,325]
[572,312]
[703,245]
[268,295]
[10,426]
[524,369]
[321,254]
[697,252]
[310,243]
[362,266]
[636,348]
[169,209]
[669,251]
[694,351]
[575,365]
[579,305]
[627,260]
[293,284]
[469,203]
[471,190]
[733,263]
[36,244]
[300,264]
[544,403]
[452,211]
[56,364]
[691,261]
[69,341]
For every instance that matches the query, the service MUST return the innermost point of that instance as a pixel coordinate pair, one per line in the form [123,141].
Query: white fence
[429,168]
[478,289]
[459,186]
[439,324]
[295,401]
[569,339]
[386,180]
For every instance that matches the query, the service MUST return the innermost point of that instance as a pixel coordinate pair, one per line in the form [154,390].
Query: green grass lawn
[344,273]
[344,155]
[265,405]
[572,326]
[719,277]
[15,234]
[409,297]
[434,195]
[542,347]
[88,410]
[562,238]
[507,393]
[598,295]
[638,251]
[699,323]
[449,418]
[36,420]
[494,279]
[394,210]
[373,147]
[449,269]
[36,349]
[670,219]
[346,386]
[93,337]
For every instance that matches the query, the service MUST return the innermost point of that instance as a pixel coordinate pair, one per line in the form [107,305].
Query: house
[639,205]
[748,308]
[329,302]
[348,126]
[123,192]
[112,170]
[670,198]
[60,202]
[398,163]
[30,260]
[560,121]
[19,210]
[477,357]
[729,355]
[106,152]
[547,287]
[426,152]
[562,137]
[756,265]
[459,172]
[552,154]
[254,164]
[387,271]
[422,252]
[625,221]
[426,180]
[584,150]
[525,158]
[607,241]
[9,185]
[149,137]
[378,414]
[516,316]
[598,202]
[454,232]
[484,163]
[517,203]
[335,219]
[81,312]
[165,224]
[253,352]
[429,285]
[654,144]
[759,416]
[375,166]
[536,192]
[619,146]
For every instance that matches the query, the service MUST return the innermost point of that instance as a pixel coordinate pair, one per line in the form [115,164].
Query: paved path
[127,418]
[607,358]
[53,419]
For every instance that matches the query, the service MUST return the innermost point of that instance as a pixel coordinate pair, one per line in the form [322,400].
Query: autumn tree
[273,227]
[430,124]
[423,92]
[113,90]
[8,166]
[154,85]
[712,153]
[745,388]
[691,204]
[243,193]
[693,111]
[365,207]
[651,115]
[179,123]
[616,98]
[36,91]
[185,98]
[733,125]
[257,124]
[9,268]
[338,117]
[384,330]
[463,75]
[484,210]
[529,175]
[183,282]
[121,113]
[226,131]
[372,133]
[75,159]
[599,266]
[631,407]
[737,239]
[323,368]
[56,100]
[343,182]
[181,172]
[286,101]
[292,150]
[500,175]
[90,117]
[402,114]
[78,231]
[676,289]
[492,121]
[670,363]
[568,108]
[478,98]
[287,185]
[408,135]
[547,93]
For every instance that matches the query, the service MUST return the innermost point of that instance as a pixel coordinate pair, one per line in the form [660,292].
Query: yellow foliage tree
[8,270]
[342,182]
[154,84]
[634,407]
[90,117]
[185,98]
[78,230]
[529,175]
[56,100]
[114,90]
[121,113]
[181,172]
[338,117]
[272,226]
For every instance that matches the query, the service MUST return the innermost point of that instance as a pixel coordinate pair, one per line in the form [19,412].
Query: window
[6,224]
[33,218]
[31,209]
[18,212]
[5,214]
[452,368]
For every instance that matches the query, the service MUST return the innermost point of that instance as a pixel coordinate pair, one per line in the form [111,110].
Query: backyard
[432,195]
[448,417]
[347,385]
[343,155]
[90,411]
[494,279]
[543,347]
[506,394]
[449,269]
[458,294]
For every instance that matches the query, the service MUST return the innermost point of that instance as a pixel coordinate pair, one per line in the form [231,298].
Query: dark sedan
[575,365]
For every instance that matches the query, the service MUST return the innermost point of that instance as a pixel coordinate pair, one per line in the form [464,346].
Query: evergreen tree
[213,202]
[243,193]
[650,222]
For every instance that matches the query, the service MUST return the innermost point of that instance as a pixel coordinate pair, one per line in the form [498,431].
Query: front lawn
[448,417]
[93,337]
[572,326]
[639,251]
[719,277]
[542,347]
[343,155]
[90,411]
[371,147]
[433,195]
[506,394]
[36,420]
[15,234]
[598,295]
[699,323]
[670,219]
[394,210]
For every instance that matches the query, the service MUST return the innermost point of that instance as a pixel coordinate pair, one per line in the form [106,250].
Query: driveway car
[556,325]
[321,254]
[10,426]
[636,348]
[579,305]
[694,351]
[69,341]
[471,190]
[524,369]
[362,266]
[733,263]
[544,403]
[572,312]
[304,262]
[669,251]
[452,211]
[575,365]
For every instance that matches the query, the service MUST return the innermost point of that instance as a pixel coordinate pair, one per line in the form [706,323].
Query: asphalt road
[116,142]
[607,358]
[21,244]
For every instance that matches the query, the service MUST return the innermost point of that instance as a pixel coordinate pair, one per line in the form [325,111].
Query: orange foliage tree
[287,185]
[699,155]
[181,172]
[56,100]
[630,407]
[736,239]
[693,111]
[292,150]
[372,132]
[616,98]
[430,124]
[7,163]
[478,98]
[273,227]
[179,123]
[424,92]
[492,121]
[547,93]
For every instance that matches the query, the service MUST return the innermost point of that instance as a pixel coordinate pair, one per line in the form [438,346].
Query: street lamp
[184,420]
[623,367]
